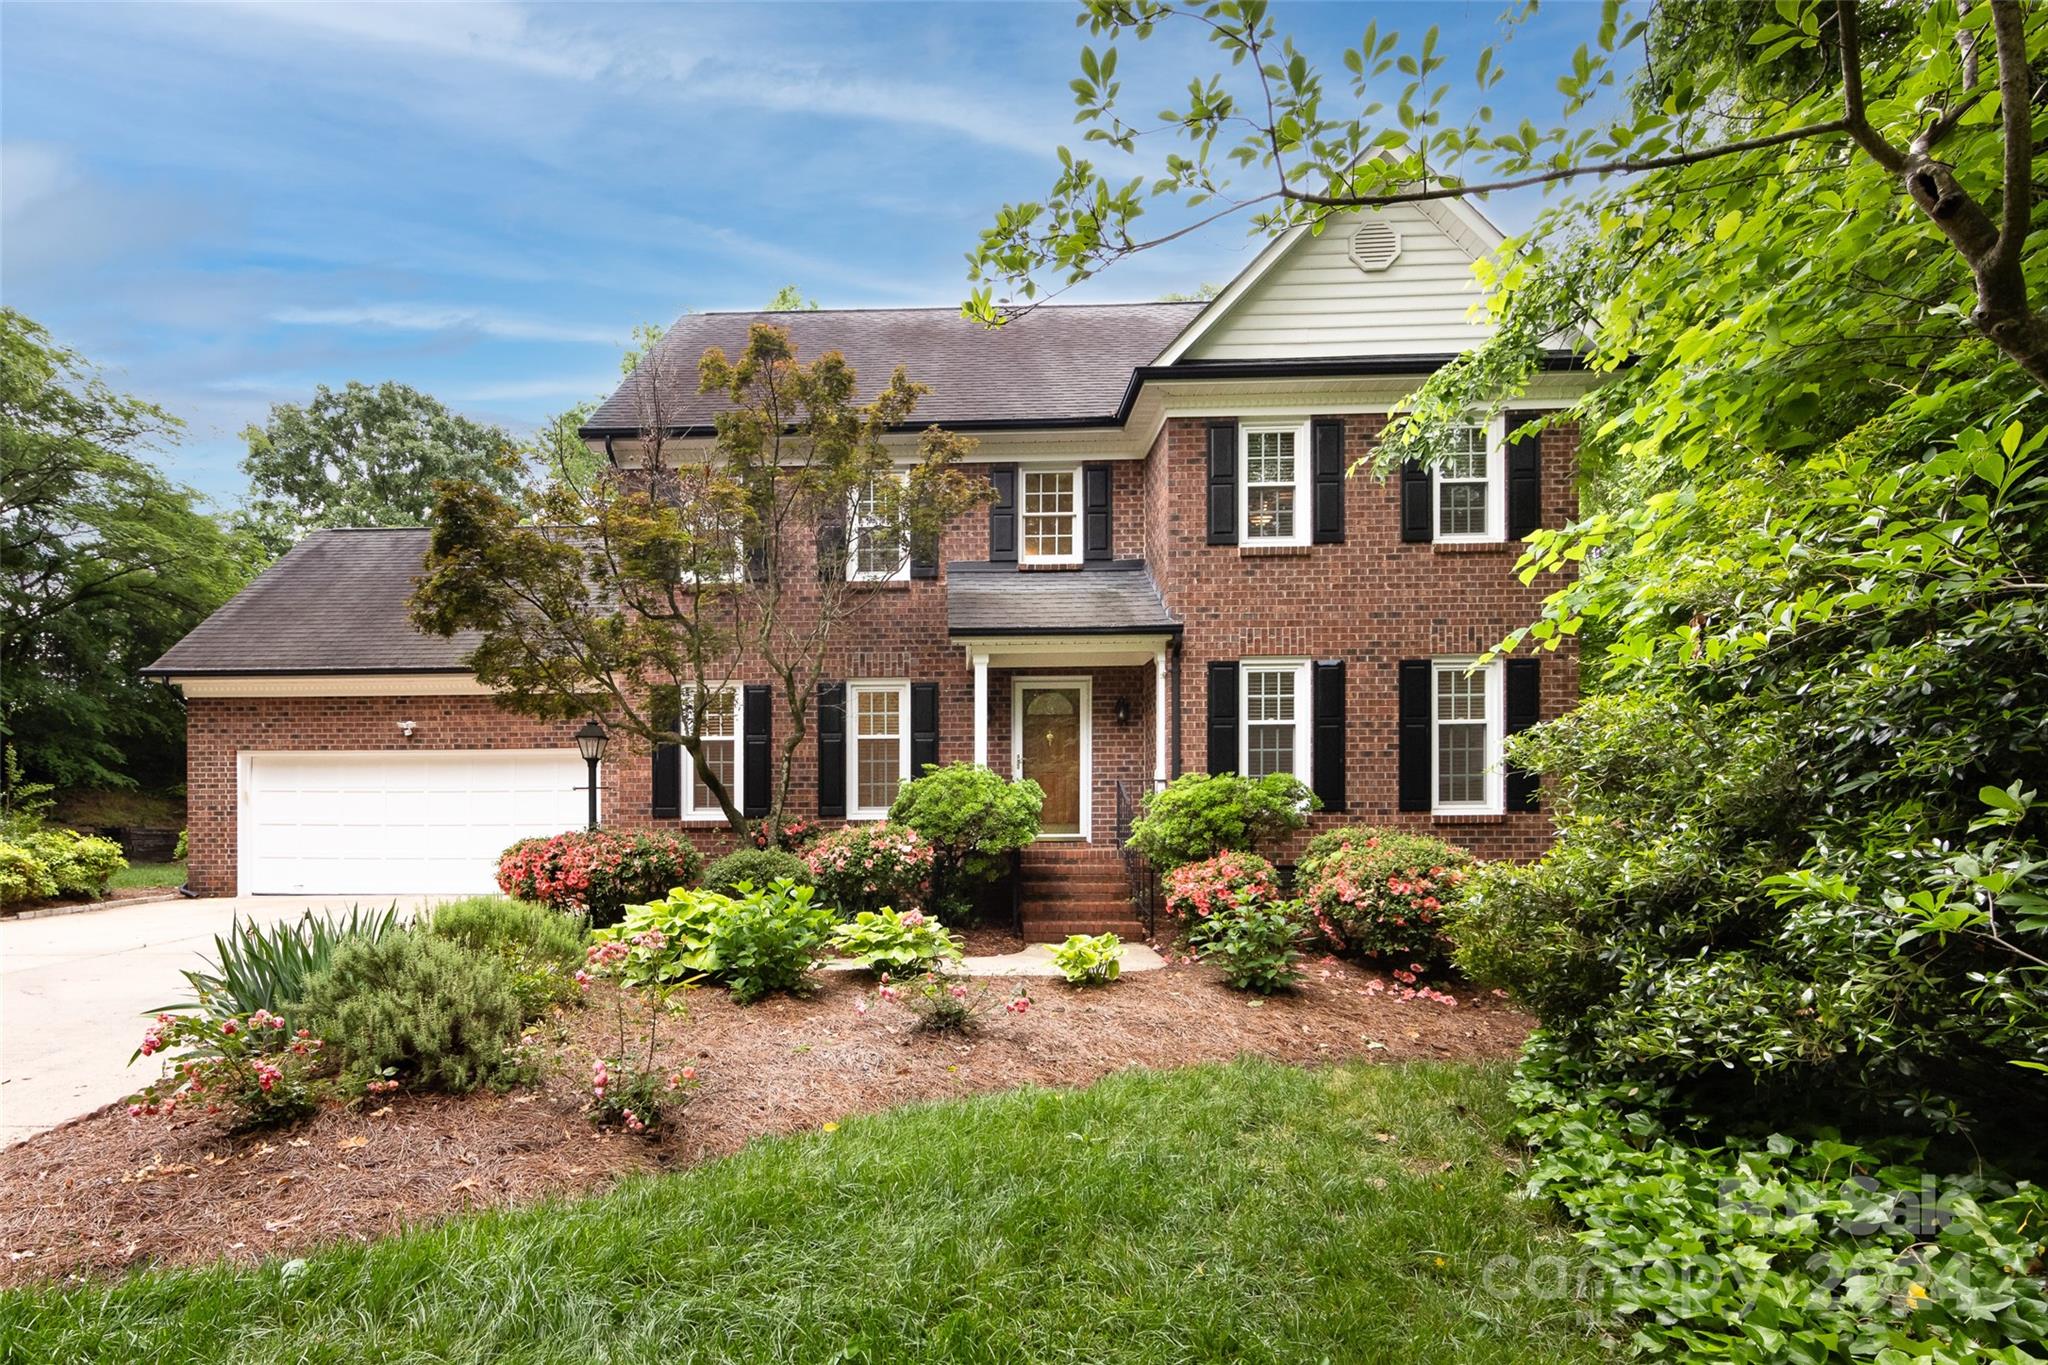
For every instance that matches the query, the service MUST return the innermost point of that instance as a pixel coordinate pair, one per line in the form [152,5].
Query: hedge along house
[1176,574]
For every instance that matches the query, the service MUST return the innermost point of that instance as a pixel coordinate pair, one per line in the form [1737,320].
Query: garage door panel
[394,823]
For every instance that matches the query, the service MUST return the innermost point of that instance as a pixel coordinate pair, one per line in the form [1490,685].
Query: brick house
[1176,574]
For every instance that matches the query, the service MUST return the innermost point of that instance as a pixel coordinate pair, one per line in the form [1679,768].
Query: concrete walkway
[74,990]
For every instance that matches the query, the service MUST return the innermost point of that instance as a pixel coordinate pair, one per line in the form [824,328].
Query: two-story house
[1177,573]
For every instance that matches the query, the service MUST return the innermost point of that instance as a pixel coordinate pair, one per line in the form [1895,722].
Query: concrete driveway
[74,989]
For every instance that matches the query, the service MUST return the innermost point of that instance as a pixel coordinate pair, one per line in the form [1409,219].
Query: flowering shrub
[637,1096]
[795,834]
[888,941]
[1197,892]
[865,867]
[1257,944]
[596,872]
[939,1002]
[1381,894]
[1200,815]
[1087,960]
[254,1067]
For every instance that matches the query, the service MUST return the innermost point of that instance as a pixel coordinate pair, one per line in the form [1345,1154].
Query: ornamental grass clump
[1381,895]
[597,873]
[419,1008]
[266,967]
[865,867]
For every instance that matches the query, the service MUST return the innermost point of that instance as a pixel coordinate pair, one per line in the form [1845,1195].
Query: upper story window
[1465,717]
[1470,500]
[1052,514]
[1274,461]
[718,737]
[879,754]
[873,554]
[1275,707]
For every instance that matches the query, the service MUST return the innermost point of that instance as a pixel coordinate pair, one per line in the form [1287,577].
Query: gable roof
[1118,598]
[1058,365]
[336,603]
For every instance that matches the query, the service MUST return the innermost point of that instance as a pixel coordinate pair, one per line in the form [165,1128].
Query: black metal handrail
[1137,867]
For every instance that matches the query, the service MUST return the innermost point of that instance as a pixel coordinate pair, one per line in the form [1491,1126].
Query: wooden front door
[1049,745]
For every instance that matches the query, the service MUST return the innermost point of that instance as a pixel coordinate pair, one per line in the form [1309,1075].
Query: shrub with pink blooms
[865,867]
[255,1068]
[1380,895]
[633,1094]
[1197,893]
[596,872]
[940,1002]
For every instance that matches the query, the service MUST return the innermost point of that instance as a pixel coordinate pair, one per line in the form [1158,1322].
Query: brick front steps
[1077,889]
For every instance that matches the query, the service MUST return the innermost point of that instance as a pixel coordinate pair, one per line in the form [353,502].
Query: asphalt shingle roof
[1060,363]
[336,603]
[1106,599]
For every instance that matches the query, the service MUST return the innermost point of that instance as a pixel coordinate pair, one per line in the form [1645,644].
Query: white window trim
[856,531]
[901,687]
[1496,491]
[687,802]
[1303,515]
[1496,784]
[1304,717]
[1034,682]
[1024,555]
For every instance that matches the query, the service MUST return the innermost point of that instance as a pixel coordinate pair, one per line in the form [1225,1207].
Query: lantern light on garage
[590,742]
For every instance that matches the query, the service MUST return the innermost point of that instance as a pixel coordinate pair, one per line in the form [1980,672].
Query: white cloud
[561,386]
[497,34]
[31,172]
[412,317]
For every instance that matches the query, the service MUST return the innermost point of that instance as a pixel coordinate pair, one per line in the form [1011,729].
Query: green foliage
[254,1066]
[105,565]
[1788,1247]
[1089,959]
[24,876]
[755,867]
[1197,892]
[766,940]
[40,863]
[1198,816]
[418,1007]
[884,940]
[184,849]
[868,866]
[596,873]
[790,299]
[1257,945]
[661,942]
[364,457]
[24,805]
[539,946]
[1382,894]
[265,967]
[972,818]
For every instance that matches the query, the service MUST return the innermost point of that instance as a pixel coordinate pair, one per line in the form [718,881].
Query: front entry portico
[1051,743]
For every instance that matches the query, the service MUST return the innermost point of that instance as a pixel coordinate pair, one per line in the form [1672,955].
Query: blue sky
[226,205]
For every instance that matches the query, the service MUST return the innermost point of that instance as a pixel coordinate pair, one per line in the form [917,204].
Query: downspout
[1173,681]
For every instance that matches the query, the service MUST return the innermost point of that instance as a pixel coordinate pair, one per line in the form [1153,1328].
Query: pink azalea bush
[1379,895]
[866,867]
[794,835]
[253,1067]
[597,872]
[1197,893]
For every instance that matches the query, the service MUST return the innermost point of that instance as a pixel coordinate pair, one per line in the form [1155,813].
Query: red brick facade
[1371,601]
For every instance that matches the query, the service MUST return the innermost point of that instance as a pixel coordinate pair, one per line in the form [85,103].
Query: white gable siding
[1315,302]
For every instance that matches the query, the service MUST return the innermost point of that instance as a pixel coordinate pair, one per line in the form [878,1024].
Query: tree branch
[1849,40]
[2016,113]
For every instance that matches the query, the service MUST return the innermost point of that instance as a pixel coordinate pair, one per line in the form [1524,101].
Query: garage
[393,822]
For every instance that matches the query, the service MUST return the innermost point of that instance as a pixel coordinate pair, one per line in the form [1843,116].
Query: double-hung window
[1470,499]
[1465,720]
[718,736]
[874,553]
[1052,516]
[1275,707]
[1275,468]
[878,715]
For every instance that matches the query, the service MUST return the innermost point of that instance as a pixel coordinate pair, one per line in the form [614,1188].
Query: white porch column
[1159,717]
[981,710]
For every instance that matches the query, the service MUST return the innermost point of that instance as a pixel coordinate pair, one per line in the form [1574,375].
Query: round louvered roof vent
[1375,245]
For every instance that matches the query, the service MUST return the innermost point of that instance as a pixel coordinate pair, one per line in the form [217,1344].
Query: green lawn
[147,874]
[1253,1212]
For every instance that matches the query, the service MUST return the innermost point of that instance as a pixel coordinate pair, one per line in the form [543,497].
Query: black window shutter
[1520,708]
[757,563]
[1223,742]
[666,798]
[1416,676]
[1095,518]
[832,749]
[924,557]
[1327,489]
[1416,521]
[831,551]
[759,701]
[1223,488]
[1525,476]
[924,727]
[1328,750]
[1002,515]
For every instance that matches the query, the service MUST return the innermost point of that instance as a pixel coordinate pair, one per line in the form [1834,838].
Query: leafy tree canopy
[790,299]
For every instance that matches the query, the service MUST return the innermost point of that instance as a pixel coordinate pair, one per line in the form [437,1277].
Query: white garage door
[390,823]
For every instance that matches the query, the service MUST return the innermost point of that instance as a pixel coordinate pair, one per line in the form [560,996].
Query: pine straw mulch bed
[106,1193]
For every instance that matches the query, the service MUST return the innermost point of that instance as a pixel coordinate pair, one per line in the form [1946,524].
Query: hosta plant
[758,941]
[885,940]
[940,1002]
[253,1067]
[1089,959]
[663,941]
